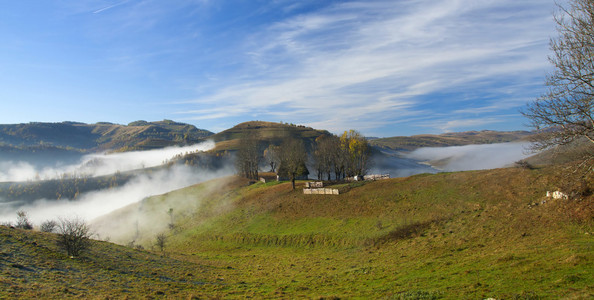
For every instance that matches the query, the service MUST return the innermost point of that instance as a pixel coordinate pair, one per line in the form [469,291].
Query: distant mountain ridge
[82,137]
[408,143]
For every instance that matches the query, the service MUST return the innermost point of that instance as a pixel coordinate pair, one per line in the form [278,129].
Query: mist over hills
[409,143]
[44,149]
[44,163]
[244,239]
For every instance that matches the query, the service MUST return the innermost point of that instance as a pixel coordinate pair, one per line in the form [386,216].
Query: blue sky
[385,68]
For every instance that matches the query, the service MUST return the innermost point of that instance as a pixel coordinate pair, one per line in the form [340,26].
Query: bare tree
[271,157]
[73,235]
[23,220]
[171,225]
[248,156]
[161,241]
[48,226]
[565,113]
[292,157]
[324,155]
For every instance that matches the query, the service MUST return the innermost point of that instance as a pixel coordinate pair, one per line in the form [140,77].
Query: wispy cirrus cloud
[359,63]
[384,67]
[110,7]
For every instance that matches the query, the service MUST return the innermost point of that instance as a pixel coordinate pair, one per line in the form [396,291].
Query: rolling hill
[17,139]
[266,133]
[475,234]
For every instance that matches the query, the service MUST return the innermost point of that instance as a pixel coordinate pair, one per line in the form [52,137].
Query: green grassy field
[464,235]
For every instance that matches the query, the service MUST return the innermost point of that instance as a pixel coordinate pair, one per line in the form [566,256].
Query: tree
[358,152]
[160,241]
[73,235]
[324,155]
[171,225]
[565,113]
[271,157]
[248,156]
[292,156]
[23,220]
[48,226]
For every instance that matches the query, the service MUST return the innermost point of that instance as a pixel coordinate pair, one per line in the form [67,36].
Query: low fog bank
[139,223]
[392,162]
[447,159]
[93,165]
[94,204]
[470,157]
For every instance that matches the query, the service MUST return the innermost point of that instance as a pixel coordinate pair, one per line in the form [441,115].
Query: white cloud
[360,62]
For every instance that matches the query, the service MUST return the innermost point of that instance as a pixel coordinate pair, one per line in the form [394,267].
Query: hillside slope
[139,135]
[458,235]
[266,133]
[32,267]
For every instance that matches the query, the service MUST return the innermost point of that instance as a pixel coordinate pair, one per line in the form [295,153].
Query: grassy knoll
[464,235]
[266,133]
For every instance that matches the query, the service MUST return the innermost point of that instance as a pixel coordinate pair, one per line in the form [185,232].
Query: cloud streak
[358,62]
[109,7]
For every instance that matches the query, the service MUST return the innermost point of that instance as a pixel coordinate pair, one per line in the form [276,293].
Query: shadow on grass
[404,232]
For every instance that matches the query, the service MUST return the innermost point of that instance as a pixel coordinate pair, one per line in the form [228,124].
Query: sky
[384,68]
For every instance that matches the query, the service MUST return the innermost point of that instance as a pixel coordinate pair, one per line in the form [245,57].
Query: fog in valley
[96,203]
[448,159]
[148,182]
[96,164]
[470,157]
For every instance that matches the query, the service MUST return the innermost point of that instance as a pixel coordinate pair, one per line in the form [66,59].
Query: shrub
[74,235]
[49,226]
[524,165]
[23,220]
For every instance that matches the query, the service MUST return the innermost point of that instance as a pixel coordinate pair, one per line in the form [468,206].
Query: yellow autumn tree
[357,153]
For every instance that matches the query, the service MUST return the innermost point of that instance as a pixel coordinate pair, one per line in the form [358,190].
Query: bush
[524,165]
[74,236]
[23,220]
[48,226]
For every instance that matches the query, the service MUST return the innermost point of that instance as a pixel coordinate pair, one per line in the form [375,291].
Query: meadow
[462,235]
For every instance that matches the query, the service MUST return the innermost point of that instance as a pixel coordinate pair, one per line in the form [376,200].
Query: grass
[456,235]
